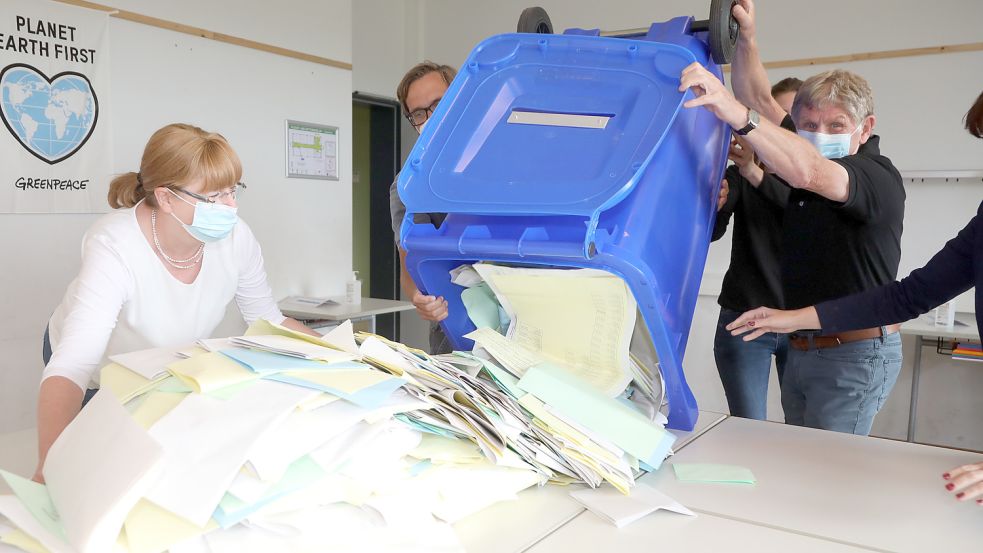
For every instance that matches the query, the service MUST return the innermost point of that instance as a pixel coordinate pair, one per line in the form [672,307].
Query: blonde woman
[159,271]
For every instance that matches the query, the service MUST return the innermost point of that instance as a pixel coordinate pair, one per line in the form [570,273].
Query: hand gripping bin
[574,151]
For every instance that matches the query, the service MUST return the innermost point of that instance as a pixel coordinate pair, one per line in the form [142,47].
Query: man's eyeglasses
[418,117]
[231,193]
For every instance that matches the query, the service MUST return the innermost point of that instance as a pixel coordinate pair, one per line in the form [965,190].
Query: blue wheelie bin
[574,151]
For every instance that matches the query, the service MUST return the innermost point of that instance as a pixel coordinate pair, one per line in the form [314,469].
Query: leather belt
[801,342]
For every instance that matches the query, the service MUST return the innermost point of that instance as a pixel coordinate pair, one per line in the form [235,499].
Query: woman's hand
[765,319]
[966,482]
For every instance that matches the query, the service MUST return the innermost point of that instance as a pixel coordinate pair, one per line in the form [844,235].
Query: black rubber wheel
[534,20]
[723,31]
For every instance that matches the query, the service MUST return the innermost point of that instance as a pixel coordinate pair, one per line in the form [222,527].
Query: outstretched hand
[762,320]
[966,482]
[712,94]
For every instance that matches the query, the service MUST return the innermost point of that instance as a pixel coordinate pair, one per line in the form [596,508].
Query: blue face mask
[212,221]
[830,146]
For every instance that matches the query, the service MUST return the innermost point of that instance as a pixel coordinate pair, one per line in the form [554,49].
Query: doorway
[375,162]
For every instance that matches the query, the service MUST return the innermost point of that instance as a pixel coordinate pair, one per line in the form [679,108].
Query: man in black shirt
[842,225]
[756,199]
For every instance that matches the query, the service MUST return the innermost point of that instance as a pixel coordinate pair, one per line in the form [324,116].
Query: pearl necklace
[176,263]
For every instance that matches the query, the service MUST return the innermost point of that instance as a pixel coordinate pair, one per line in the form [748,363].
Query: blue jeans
[841,388]
[745,367]
[439,342]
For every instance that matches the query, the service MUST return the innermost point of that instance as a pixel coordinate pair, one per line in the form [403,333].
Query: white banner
[56,151]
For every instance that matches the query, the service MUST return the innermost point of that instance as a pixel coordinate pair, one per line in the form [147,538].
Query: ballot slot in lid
[574,151]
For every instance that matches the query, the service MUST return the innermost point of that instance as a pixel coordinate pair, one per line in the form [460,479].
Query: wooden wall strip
[881,55]
[205,33]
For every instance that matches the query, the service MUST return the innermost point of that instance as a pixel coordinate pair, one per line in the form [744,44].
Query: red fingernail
[946,476]
[949,486]
[750,323]
[979,501]
[960,495]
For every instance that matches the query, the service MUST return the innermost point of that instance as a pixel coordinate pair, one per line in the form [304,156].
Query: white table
[965,328]
[859,491]
[673,533]
[367,310]
[517,525]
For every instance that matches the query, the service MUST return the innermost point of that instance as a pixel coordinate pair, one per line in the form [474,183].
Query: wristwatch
[752,123]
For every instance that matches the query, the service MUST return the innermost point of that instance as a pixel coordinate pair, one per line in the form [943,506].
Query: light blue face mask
[212,221]
[830,146]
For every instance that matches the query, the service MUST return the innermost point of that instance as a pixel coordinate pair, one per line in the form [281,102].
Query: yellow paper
[151,529]
[262,327]
[554,425]
[362,336]
[155,406]
[211,371]
[124,383]
[582,319]
[514,357]
[20,539]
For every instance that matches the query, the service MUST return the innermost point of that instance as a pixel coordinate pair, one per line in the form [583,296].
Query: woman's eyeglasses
[231,193]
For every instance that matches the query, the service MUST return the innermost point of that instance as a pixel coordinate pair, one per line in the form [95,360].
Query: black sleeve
[735,181]
[948,274]
[775,190]
[787,123]
[876,188]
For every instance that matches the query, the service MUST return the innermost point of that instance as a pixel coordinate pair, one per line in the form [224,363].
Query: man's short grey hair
[839,88]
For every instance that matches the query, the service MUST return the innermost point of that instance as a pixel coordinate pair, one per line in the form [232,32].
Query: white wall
[919,101]
[159,77]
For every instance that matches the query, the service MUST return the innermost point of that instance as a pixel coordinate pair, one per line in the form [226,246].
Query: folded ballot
[293,347]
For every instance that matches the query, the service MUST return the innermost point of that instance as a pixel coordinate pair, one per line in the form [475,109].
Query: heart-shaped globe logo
[52,118]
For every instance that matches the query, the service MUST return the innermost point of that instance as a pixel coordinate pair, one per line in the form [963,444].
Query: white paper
[376,349]
[148,363]
[621,510]
[342,337]
[97,470]
[14,510]
[216,344]
[285,345]
[466,276]
[206,441]
[300,433]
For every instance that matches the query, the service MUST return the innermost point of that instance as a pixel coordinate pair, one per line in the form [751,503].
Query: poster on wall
[312,151]
[55,149]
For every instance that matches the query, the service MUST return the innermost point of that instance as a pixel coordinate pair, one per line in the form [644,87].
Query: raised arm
[748,77]
[790,156]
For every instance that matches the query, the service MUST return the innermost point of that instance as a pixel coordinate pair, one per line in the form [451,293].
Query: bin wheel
[723,31]
[534,20]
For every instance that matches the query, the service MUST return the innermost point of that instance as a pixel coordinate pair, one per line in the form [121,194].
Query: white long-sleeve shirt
[124,299]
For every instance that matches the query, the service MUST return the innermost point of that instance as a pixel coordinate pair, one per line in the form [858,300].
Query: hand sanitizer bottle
[353,290]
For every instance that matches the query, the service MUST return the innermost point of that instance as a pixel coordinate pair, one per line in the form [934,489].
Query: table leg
[916,370]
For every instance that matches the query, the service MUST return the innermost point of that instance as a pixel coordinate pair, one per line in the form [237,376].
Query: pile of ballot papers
[277,440]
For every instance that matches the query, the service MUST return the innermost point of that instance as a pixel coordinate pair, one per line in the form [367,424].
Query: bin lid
[545,124]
